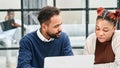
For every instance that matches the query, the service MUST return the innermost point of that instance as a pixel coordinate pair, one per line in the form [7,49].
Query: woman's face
[104,30]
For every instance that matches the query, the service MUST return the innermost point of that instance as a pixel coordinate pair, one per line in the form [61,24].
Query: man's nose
[60,28]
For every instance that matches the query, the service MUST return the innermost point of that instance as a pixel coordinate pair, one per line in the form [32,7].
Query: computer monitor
[77,61]
[7,25]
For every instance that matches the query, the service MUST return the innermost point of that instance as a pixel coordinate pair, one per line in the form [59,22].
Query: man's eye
[55,26]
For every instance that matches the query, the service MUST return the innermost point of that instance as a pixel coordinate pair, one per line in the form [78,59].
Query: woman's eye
[97,28]
[105,30]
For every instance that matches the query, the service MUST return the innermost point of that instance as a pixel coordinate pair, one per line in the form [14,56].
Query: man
[9,33]
[10,15]
[44,42]
[6,37]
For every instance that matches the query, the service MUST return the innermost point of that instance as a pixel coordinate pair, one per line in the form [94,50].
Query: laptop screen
[7,25]
[77,61]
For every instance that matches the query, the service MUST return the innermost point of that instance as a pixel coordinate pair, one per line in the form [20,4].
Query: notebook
[7,25]
[77,61]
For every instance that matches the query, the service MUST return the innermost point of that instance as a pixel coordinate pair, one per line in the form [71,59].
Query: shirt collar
[42,37]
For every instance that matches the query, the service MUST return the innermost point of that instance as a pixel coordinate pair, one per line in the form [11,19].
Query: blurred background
[79,18]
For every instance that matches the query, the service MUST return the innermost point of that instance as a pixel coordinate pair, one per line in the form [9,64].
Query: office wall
[6,4]
[79,16]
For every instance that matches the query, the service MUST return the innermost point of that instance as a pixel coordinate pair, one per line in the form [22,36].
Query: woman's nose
[101,33]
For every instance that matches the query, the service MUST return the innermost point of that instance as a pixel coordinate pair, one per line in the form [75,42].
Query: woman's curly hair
[108,15]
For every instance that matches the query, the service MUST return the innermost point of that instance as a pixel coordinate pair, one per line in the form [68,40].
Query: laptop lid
[77,61]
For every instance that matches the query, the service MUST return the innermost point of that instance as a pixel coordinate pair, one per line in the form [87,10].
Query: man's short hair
[10,10]
[47,12]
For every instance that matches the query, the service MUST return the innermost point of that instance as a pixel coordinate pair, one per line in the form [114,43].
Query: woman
[104,44]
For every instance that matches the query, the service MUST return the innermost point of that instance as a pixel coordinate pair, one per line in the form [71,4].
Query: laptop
[7,25]
[77,61]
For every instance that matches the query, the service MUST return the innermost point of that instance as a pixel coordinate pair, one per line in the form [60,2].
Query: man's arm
[67,49]
[25,55]
[16,24]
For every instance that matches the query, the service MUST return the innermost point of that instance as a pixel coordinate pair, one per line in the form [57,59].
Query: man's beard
[56,35]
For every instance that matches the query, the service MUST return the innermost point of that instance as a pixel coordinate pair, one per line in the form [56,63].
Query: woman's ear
[115,28]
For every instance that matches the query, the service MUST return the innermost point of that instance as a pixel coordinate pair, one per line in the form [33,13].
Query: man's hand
[15,24]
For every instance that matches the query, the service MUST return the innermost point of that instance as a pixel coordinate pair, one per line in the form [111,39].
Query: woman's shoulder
[116,34]
[91,36]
